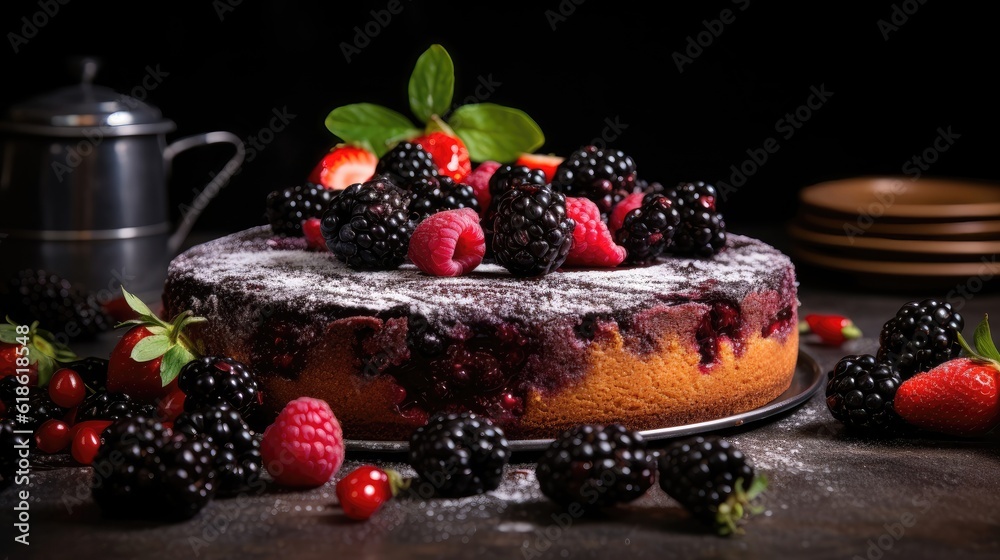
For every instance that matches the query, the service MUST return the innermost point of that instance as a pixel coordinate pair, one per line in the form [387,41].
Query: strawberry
[958,397]
[830,329]
[548,163]
[343,166]
[449,153]
[28,350]
[147,359]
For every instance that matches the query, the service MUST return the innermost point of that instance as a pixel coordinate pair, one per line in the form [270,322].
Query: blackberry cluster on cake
[702,229]
[602,175]
[368,225]
[405,162]
[532,235]
[648,230]
[429,195]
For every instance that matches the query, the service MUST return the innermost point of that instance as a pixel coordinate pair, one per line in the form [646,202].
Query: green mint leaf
[150,348]
[984,341]
[432,83]
[369,124]
[137,304]
[495,132]
[173,361]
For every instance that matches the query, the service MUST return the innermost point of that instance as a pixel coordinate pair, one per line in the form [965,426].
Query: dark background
[571,66]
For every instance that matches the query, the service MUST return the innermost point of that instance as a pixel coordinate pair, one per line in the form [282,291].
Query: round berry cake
[660,341]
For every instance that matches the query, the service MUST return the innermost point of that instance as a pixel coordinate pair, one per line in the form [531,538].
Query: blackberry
[602,175]
[112,406]
[238,462]
[93,370]
[702,229]
[211,380]
[509,176]
[142,470]
[596,466]
[405,162]
[532,235]
[8,392]
[459,453]
[40,409]
[433,194]
[368,225]
[860,391]
[647,231]
[712,479]
[287,208]
[58,304]
[920,336]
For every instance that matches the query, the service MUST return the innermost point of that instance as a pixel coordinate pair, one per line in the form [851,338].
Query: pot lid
[78,110]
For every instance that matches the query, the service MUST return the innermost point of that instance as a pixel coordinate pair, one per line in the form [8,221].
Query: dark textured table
[830,495]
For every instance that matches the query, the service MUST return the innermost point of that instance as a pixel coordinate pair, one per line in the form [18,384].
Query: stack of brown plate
[938,232]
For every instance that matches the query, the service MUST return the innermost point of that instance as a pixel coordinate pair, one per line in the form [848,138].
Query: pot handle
[190,216]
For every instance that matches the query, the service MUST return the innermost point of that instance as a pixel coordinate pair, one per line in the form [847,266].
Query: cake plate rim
[806,381]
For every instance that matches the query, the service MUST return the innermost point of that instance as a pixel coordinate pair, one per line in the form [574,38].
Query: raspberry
[592,242]
[479,180]
[304,447]
[448,243]
[314,234]
[617,217]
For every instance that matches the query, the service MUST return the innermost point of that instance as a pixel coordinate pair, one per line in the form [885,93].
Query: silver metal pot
[83,187]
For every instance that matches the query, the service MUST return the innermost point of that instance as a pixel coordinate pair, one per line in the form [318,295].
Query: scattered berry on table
[84,444]
[286,208]
[304,446]
[429,195]
[713,480]
[93,370]
[647,231]
[343,166]
[364,490]
[596,466]
[532,235]
[830,329]
[368,225]
[211,380]
[459,454]
[593,244]
[602,175]
[52,436]
[702,229]
[57,303]
[238,461]
[958,397]
[450,155]
[405,162]
[448,243]
[113,406]
[143,471]
[921,335]
[860,392]
[66,388]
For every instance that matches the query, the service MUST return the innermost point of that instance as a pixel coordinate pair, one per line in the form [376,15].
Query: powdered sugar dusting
[283,272]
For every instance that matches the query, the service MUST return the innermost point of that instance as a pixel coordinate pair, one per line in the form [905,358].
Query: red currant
[86,442]
[52,436]
[363,491]
[66,388]
[96,425]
